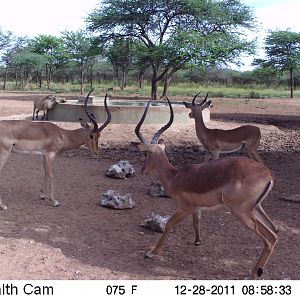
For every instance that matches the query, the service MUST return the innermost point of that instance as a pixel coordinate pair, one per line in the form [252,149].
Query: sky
[272,15]
[51,17]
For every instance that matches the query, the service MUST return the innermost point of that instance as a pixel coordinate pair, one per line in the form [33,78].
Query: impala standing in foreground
[216,141]
[47,139]
[236,183]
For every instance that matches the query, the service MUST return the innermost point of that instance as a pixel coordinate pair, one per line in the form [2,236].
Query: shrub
[254,95]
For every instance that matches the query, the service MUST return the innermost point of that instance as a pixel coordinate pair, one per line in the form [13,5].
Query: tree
[52,49]
[175,33]
[282,49]
[267,75]
[5,43]
[81,49]
[28,64]
[17,45]
[5,39]
[120,55]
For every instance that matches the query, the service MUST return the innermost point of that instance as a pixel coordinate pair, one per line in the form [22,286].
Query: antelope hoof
[42,196]
[260,271]
[149,254]
[197,243]
[3,207]
[255,274]
[55,203]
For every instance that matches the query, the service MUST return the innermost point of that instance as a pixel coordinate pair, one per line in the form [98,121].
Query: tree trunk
[22,81]
[154,95]
[48,76]
[118,76]
[167,81]
[16,77]
[40,80]
[91,74]
[5,80]
[81,78]
[141,79]
[123,80]
[292,82]
[154,83]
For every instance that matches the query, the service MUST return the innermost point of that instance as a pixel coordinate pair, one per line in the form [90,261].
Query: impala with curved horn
[216,141]
[47,139]
[236,183]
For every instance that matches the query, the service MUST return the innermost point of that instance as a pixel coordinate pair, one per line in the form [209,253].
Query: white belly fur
[233,150]
[36,152]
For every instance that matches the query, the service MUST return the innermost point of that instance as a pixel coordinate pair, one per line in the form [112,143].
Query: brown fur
[217,141]
[237,183]
[45,104]
[46,139]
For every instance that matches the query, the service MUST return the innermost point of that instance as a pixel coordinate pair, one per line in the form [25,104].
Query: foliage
[121,55]
[174,33]
[283,49]
[52,49]
[27,64]
[81,48]
[5,39]
[189,42]
[283,53]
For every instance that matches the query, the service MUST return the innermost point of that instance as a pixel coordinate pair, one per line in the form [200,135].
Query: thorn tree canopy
[282,49]
[175,33]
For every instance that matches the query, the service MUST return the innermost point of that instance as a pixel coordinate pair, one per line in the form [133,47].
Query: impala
[216,141]
[47,139]
[236,183]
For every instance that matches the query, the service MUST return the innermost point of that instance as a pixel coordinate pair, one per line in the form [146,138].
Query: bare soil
[82,240]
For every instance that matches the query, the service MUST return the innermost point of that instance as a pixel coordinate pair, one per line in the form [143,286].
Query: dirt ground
[82,240]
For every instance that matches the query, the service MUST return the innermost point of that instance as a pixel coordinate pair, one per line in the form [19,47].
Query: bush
[254,95]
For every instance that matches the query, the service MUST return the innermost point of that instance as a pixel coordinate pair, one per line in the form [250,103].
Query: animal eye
[91,136]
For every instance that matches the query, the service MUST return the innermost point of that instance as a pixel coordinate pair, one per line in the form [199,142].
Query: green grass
[181,90]
[256,92]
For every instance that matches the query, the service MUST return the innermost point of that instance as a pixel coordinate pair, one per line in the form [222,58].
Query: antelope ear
[161,142]
[206,104]
[83,123]
[142,147]
[186,104]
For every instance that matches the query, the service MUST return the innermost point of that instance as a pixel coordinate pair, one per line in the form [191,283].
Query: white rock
[155,222]
[121,170]
[113,199]
[157,190]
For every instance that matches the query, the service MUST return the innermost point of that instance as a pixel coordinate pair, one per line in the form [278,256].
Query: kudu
[239,184]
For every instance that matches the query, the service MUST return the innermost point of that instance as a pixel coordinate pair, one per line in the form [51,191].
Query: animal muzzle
[94,150]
